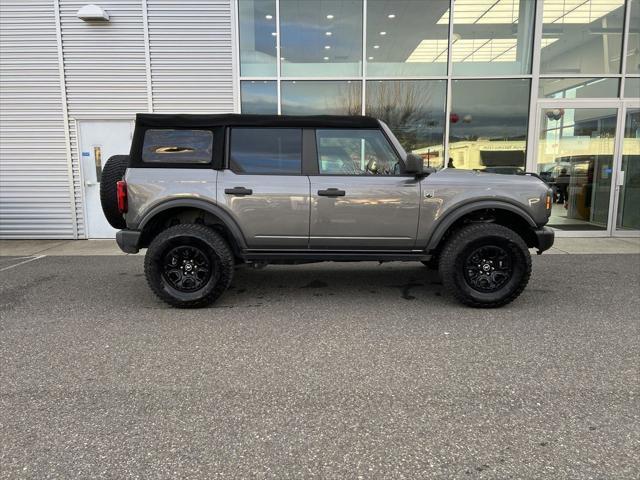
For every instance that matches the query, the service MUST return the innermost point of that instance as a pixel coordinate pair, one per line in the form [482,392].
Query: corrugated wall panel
[104,62]
[77,179]
[35,201]
[191,55]
[105,72]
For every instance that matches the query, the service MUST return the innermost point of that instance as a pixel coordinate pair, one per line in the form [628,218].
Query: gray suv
[205,193]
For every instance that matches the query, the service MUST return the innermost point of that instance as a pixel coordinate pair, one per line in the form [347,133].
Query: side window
[266,151]
[355,152]
[177,146]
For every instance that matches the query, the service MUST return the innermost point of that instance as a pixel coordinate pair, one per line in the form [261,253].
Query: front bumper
[128,240]
[544,237]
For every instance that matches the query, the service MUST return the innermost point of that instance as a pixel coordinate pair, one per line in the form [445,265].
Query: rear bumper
[128,240]
[544,237]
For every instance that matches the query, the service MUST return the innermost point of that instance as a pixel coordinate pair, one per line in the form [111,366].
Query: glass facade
[465,83]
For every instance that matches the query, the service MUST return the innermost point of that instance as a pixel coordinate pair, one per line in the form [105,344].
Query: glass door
[628,175]
[575,156]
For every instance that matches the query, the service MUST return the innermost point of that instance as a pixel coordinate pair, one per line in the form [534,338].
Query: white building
[507,85]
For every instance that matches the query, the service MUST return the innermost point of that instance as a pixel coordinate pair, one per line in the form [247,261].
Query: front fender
[440,226]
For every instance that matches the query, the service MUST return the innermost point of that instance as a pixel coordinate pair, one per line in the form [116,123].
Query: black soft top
[158,120]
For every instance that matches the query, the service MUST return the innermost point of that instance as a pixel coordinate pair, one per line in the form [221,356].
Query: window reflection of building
[489,134]
[414,110]
[395,60]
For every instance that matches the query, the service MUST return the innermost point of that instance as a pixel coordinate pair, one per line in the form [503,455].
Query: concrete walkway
[26,248]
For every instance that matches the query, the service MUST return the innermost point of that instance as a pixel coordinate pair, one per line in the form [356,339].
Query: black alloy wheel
[488,268]
[189,265]
[485,265]
[186,268]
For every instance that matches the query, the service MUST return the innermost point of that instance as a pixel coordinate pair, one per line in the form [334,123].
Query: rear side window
[266,151]
[177,146]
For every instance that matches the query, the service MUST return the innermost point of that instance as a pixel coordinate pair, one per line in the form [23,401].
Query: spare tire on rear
[112,173]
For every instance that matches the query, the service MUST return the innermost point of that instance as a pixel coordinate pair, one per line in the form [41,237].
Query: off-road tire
[463,243]
[210,243]
[432,264]
[112,172]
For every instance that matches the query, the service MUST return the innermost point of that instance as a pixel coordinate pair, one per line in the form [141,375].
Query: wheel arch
[191,211]
[497,211]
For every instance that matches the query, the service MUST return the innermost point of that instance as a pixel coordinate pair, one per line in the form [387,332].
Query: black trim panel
[128,240]
[336,256]
[449,219]
[202,205]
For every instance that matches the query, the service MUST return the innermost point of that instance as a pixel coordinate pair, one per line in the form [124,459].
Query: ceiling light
[376,46]
[383,33]
[328,34]
[370,58]
[326,58]
[274,33]
[330,17]
[327,47]
[268,17]
[391,15]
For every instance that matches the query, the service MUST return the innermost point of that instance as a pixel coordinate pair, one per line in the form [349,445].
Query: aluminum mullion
[278,59]
[625,45]
[448,98]
[235,55]
[65,118]
[532,128]
[363,86]
[147,55]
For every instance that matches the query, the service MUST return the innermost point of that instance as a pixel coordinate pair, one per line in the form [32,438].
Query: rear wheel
[485,265]
[189,265]
[112,173]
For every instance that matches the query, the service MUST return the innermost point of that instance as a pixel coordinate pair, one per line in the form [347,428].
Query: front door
[99,140]
[359,198]
[627,196]
[264,189]
[576,156]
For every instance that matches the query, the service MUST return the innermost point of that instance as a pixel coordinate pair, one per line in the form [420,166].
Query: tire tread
[215,241]
[456,244]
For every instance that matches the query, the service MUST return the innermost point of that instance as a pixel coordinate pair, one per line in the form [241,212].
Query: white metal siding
[35,201]
[191,55]
[105,73]
[104,62]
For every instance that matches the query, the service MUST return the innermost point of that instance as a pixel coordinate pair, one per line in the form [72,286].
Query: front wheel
[485,265]
[189,265]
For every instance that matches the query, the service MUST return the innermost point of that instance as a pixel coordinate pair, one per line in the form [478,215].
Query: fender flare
[211,208]
[451,217]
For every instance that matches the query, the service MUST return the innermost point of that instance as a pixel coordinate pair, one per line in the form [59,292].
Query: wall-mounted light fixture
[92,13]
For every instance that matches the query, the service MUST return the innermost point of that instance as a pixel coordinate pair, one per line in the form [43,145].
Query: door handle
[240,191]
[331,192]
[90,184]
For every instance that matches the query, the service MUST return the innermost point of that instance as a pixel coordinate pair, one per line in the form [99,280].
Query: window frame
[160,162]
[137,148]
[227,159]
[392,147]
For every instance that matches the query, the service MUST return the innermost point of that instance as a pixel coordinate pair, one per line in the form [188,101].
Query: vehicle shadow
[336,281]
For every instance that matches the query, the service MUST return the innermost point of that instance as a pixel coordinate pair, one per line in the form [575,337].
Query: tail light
[122,196]
[548,201]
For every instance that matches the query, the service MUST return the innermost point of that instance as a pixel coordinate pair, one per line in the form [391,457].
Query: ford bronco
[204,193]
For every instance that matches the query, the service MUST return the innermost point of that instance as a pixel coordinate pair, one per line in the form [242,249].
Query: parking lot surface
[324,370]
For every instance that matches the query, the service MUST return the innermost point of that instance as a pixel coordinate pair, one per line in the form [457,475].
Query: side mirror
[413,164]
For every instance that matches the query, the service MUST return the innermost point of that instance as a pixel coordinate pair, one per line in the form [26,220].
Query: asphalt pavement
[318,371]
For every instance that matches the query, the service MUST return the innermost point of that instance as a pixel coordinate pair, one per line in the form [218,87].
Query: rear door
[263,187]
[359,197]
